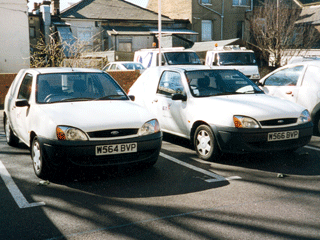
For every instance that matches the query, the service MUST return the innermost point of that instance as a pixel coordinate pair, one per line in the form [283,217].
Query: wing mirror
[22,103]
[179,96]
[132,98]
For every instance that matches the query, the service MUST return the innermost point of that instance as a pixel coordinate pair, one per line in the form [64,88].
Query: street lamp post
[159,31]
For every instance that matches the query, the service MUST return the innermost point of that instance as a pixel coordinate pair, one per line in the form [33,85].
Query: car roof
[62,70]
[183,67]
[124,62]
[311,62]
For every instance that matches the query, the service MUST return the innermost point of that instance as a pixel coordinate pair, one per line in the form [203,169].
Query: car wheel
[205,143]
[39,162]
[316,125]
[11,139]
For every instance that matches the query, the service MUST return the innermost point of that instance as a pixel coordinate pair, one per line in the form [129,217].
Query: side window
[312,77]
[285,77]
[170,83]
[113,67]
[25,87]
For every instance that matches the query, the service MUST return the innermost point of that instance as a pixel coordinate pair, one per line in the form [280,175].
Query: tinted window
[25,88]
[77,87]
[204,83]
[170,83]
[285,77]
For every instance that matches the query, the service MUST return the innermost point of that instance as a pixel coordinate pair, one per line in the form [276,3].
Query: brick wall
[124,78]
[5,82]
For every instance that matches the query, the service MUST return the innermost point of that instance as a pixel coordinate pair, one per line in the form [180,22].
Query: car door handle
[289,92]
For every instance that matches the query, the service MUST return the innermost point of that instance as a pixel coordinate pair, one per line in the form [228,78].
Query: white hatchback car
[299,83]
[124,66]
[78,116]
[221,110]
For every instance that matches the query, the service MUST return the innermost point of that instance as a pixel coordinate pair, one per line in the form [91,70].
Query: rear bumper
[235,140]
[83,153]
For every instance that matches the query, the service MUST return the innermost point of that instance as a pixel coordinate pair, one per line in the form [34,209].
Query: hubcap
[36,156]
[204,143]
[7,127]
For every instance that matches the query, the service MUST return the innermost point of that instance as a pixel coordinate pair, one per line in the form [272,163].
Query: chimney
[55,7]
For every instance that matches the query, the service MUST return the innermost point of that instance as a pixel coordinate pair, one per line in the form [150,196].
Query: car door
[309,93]
[19,114]
[171,113]
[285,83]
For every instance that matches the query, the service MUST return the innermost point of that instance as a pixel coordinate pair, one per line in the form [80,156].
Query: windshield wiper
[76,99]
[111,97]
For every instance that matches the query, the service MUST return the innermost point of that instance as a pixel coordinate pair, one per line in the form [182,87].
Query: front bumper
[82,153]
[235,140]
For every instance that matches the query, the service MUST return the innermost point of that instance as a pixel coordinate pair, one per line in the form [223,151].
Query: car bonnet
[97,115]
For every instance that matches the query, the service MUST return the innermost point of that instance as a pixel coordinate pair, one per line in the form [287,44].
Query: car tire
[11,139]
[205,143]
[39,161]
[316,125]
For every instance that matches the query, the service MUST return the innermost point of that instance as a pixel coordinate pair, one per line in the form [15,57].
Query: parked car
[298,83]
[124,66]
[221,110]
[80,117]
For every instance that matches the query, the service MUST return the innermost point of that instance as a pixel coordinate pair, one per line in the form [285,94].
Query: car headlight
[149,127]
[70,134]
[304,117]
[255,76]
[245,122]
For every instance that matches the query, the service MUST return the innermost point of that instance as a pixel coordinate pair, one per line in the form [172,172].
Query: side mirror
[214,63]
[132,98]
[179,96]
[22,103]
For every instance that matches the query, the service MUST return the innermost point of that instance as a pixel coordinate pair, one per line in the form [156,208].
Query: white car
[299,83]
[78,116]
[221,110]
[124,66]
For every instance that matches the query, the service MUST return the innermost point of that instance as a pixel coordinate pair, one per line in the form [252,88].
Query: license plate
[116,149]
[279,136]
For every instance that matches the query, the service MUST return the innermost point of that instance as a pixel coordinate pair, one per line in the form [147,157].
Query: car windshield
[182,58]
[205,83]
[237,58]
[63,87]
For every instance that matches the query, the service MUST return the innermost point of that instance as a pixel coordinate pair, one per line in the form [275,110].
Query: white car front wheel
[205,143]
[11,139]
[40,165]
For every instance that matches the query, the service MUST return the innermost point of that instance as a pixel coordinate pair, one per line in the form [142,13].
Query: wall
[124,78]
[14,37]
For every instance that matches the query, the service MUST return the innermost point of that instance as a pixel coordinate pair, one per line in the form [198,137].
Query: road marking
[313,148]
[14,190]
[215,177]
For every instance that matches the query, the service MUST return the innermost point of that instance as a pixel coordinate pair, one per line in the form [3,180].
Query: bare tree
[61,54]
[275,33]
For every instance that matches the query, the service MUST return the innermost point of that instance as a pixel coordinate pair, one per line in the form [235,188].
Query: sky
[66,3]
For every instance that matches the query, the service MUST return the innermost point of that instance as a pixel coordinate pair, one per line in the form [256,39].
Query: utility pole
[159,31]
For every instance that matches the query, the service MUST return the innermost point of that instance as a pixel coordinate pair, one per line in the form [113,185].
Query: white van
[236,57]
[170,56]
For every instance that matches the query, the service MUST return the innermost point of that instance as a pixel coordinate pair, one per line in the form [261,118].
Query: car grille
[113,133]
[278,122]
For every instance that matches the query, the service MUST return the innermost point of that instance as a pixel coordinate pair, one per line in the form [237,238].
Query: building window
[32,32]
[206,30]
[240,3]
[125,44]
[205,1]
[240,28]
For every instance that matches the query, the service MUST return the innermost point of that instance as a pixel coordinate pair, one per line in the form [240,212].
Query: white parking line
[313,148]
[14,190]
[215,177]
